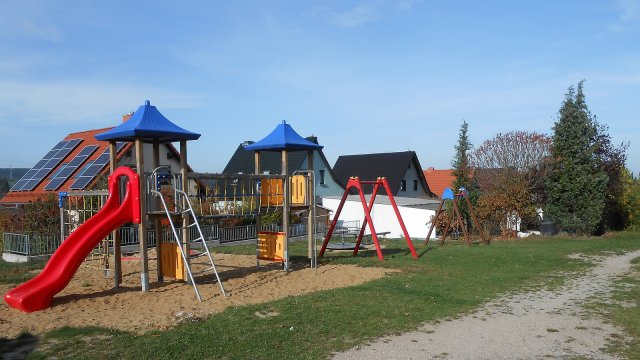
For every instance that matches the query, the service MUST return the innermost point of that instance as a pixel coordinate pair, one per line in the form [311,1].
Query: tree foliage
[577,182]
[612,160]
[4,186]
[630,201]
[463,172]
[509,169]
[41,216]
[461,168]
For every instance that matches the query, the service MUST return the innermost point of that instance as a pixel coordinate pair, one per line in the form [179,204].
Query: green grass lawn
[17,273]
[443,283]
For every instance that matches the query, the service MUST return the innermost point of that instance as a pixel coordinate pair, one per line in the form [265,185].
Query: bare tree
[510,170]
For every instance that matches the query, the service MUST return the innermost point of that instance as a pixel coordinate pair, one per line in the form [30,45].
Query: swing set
[455,219]
[356,183]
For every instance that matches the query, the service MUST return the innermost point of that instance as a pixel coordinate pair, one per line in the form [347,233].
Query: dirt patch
[91,300]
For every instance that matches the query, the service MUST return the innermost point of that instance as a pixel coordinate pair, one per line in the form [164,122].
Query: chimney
[126,117]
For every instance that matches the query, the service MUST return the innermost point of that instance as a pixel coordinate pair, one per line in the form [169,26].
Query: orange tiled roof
[38,192]
[438,180]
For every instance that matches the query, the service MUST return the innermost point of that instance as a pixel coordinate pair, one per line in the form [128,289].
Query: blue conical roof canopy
[283,137]
[149,125]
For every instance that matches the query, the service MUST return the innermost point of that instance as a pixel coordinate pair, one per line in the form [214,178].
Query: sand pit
[91,300]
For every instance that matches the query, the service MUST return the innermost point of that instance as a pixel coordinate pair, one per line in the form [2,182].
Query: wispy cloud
[629,15]
[629,10]
[364,13]
[30,19]
[359,15]
[53,104]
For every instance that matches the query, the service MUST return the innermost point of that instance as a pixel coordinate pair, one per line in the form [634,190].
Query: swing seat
[343,246]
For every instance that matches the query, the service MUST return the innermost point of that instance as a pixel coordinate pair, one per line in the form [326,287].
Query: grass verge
[444,282]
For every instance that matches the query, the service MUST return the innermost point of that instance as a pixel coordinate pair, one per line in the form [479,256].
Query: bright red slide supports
[37,293]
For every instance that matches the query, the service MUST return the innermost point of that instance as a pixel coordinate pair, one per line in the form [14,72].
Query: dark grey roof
[392,166]
[242,161]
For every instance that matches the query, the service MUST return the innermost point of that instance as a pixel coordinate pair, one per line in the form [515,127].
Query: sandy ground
[531,325]
[91,300]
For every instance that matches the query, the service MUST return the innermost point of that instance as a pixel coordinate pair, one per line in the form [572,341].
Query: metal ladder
[188,209]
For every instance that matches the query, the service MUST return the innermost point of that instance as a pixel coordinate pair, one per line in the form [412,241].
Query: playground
[91,300]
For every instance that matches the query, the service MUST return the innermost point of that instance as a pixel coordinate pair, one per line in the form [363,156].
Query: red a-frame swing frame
[355,182]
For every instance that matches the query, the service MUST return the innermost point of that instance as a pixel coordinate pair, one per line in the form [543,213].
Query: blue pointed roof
[283,137]
[149,125]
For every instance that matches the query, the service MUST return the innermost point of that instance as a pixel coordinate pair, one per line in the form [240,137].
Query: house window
[403,185]
[415,185]
[321,177]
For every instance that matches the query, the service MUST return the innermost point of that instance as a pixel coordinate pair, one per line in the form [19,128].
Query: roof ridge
[88,131]
[381,153]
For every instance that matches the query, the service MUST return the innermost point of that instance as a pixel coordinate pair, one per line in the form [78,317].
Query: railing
[237,233]
[30,244]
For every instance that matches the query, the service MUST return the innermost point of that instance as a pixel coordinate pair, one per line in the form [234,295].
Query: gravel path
[531,325]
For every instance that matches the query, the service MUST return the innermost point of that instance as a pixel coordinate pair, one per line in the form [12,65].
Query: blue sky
[363,76]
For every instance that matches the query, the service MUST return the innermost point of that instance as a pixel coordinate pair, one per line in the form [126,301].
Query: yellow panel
[298,189]
[271,192]
[172,263]
[271,246]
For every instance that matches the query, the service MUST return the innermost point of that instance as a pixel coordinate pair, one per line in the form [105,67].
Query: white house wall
[173,162]
[410,176]
[330,187]
[384,218]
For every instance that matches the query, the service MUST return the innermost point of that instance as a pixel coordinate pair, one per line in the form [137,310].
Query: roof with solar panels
[72,164]
[75,163]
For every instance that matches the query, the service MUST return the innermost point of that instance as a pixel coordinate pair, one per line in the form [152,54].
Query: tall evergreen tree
[463,172]
[577,182]
[461,168]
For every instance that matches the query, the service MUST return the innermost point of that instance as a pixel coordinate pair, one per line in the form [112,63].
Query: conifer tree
[577,182]
[463,172]
[461,167]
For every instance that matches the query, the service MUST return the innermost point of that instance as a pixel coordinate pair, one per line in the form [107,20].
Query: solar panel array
[94,169]
[64,174]
[42,169]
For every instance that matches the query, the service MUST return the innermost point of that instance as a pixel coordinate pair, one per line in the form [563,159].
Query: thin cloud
[78,103]
[359,15]
[629,10]
[365,12]
[29,19]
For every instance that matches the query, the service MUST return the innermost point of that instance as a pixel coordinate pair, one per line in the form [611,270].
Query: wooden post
[185,215]
[312,207]
[256,163]
[156,219]
[142,228]
[433,222]
[117,258]
[285,207]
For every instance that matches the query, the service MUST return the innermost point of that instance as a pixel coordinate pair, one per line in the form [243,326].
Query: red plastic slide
[37,293]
